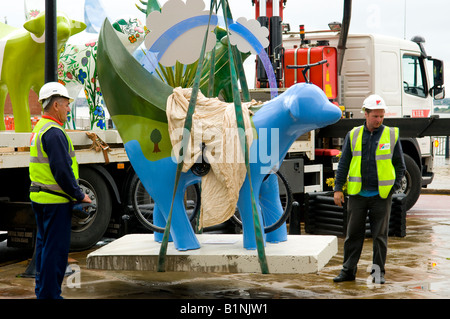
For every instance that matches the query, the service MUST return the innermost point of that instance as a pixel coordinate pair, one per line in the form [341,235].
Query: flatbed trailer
[105,175]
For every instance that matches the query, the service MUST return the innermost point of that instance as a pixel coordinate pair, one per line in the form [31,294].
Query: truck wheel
[286,203]
[143,204]
[87,232]
[411,182]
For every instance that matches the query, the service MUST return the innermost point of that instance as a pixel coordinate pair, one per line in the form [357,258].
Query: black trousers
[52,247]
[379,211]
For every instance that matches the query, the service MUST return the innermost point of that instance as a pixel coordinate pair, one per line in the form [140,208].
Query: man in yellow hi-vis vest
[54,188]
[372,158]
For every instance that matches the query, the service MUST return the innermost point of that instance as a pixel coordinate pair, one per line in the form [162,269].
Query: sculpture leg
[21,109]
[158,179]
[245,209]
[181,230]
[271,208]
[3,94]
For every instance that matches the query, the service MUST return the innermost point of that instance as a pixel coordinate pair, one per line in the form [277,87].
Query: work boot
[344,276]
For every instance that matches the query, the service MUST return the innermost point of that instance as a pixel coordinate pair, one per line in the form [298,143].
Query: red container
[324,75]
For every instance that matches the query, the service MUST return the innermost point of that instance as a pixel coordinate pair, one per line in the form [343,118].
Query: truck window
[414,76]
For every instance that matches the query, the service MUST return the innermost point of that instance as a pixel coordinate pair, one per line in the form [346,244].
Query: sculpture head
[310,107]
[66,27]
[131,32]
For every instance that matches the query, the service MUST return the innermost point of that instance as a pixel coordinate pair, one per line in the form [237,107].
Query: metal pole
[447,147]
[51,57]
[275,8]
[51,75]
[262,8]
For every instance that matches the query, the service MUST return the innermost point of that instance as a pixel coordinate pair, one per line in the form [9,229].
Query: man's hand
[86,199]
[338,198]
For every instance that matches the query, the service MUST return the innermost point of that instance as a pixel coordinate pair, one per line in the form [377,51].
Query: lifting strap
[241,126]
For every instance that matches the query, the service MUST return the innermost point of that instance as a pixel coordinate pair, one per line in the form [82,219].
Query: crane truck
[350,67]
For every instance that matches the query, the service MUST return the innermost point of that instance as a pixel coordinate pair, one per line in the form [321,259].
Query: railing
[442,148]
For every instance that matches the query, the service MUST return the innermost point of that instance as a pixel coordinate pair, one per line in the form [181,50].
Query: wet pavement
[418,267]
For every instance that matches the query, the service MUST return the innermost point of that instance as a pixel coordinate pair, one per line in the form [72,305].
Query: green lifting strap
[243,140]
[211,71]
[239,65]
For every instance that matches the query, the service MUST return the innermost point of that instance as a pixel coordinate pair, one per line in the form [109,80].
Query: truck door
[416,100]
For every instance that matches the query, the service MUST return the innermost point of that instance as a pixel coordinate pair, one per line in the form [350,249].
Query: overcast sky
[399,18]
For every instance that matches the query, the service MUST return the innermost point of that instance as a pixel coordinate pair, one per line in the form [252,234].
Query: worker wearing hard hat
[54,186]
[372,158]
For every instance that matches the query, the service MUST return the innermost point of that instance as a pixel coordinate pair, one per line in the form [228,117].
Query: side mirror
[438,91]
[438,72]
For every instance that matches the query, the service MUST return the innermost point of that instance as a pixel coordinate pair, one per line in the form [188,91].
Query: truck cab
[396,69]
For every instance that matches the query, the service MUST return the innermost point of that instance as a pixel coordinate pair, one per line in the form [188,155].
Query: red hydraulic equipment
[267,5]
[324,75]
[270,14]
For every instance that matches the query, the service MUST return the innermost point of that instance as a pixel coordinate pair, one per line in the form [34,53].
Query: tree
[156,137]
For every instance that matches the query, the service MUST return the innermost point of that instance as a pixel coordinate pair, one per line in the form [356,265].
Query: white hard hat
[50,89]
[374,102]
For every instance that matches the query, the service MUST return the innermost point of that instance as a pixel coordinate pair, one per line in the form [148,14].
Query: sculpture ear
[36,25]
[77,27]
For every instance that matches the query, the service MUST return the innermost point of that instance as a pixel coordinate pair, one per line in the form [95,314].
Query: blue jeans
[52,247]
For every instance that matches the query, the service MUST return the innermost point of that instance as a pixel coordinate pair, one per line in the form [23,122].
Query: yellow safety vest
[40,173]
[383,157]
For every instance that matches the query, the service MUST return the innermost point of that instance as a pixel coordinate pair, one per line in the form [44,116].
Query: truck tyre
[87,232]
[411,182]
[143,204]
[287,201]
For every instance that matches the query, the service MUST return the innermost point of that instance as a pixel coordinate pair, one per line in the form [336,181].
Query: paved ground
[418,267]
[441,181]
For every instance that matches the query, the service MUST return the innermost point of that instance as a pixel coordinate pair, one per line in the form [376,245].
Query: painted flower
[60,69]
[34,13]
[69,75]
[82,76]
[101,124]
[84,61]
[98,111]
[132,38]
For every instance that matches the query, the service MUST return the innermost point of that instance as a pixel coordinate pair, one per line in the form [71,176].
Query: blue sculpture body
[302,108]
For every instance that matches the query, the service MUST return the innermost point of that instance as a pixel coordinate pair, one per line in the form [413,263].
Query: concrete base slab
[218,253]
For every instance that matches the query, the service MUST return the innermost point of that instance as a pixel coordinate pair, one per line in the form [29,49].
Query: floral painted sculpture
[77,68]
[22,63]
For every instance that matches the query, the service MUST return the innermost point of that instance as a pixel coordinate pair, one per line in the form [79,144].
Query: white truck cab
[395,69]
